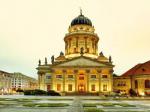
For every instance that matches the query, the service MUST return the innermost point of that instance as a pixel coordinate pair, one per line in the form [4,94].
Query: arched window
[136,84]
[147,83]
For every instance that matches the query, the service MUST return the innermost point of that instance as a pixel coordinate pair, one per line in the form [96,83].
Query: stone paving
[32,110]
[76,106]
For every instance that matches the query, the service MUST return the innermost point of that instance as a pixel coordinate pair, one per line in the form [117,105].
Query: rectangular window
[48,87]
[70,76]
[136,84]
[93,76]
[93,87]
[19,83]
[48,77]
[58,76]
[58,87]
[104,87]
[104,76]
[70,87]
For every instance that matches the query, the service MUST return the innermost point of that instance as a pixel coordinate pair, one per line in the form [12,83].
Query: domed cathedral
[81,70]
[81,36]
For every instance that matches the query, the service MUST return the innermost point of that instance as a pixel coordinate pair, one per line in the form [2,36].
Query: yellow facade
[136,78]
[82,36]
[77,79]
[80,70]
[122,84]
[140,88]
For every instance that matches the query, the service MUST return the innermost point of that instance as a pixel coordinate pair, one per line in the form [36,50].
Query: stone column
[64,82]
[75,82]
[88,82]
[77,44]
[93,46]
[88,79]
[85,44]
[96,46]
[66,47]
[39,80]
[43,80]
[100,83]
[75,79]
[52,81]
[69,46]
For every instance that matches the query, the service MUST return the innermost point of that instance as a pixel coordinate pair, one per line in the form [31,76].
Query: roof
[81,19]
[84,61]
[4,72]
[139,69]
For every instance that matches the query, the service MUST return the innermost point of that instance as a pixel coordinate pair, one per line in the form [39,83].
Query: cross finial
[80,11]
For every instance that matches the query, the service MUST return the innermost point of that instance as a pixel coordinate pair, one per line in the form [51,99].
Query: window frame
[59,76]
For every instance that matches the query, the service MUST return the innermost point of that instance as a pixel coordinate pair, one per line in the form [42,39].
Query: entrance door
[81,88]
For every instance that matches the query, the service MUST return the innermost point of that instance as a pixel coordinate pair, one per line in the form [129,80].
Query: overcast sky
[34,29]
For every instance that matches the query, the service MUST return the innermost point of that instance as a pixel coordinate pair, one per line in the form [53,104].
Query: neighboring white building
[10,82]
[23,82]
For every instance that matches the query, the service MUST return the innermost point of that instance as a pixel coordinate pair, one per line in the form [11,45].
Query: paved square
[74,104]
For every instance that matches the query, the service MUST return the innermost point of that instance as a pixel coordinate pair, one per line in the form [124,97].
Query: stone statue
[39,62]
[110,59]
[45,61]
[82,51]
[101,54]
[52,59]
[61,53]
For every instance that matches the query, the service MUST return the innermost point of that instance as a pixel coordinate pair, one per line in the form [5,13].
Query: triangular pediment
[82,61]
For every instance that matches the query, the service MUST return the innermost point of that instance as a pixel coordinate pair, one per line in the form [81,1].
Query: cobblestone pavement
[76,106]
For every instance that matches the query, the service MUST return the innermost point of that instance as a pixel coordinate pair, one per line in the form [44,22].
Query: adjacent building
[5,82]
[11,82]
[81,69]
[22,82]
[137,78]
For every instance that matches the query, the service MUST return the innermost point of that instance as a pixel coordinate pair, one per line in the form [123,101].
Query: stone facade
[10,82]
[80,75]
[23,82]
[5,82]
[122,84]
[80,70]
[137,78]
